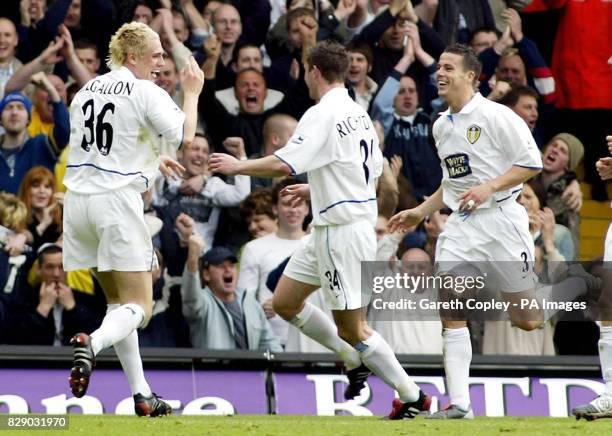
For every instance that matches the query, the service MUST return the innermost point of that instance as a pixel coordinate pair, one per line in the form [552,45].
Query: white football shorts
[495,241]
[331,258]
[107,231]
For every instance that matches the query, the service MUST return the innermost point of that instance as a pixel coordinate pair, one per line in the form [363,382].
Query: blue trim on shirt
[293,171]
[110,171]
[511,194]
[346,201]
[524,166]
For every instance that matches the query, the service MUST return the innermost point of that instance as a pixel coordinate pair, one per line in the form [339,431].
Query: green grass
[266,425]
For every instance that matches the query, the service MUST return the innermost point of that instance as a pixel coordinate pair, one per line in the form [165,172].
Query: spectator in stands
[407,130]
[584,103]
[221,315]
[228,28]
[262,255]
[394,325]
[276,132]
[521,65]
[87,52]
[258,212]
[562,155]
[193,204]
[386,35]
[52,314]
[19,152]
[247,57]
[61,48]
[168,79]
[8,47]
[93,20]
[523,100]
[482,39]
[454,20]
[38,26]
[360,56]
[37,191]
[250,91]
[13,238]
[142,13]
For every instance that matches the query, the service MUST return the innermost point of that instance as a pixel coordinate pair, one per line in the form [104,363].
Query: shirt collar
[408,118]
[474,102]
[334,91]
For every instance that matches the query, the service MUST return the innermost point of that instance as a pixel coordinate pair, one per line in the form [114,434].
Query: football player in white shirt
[336,144]
[486,153]
[109,165]
[601,407]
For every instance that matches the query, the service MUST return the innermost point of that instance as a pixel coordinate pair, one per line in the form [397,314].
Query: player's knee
[282,309]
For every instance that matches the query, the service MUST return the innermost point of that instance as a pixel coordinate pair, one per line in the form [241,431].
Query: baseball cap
[18,97]
[218,255]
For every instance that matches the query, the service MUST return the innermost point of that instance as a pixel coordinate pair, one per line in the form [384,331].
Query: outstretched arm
[266,167]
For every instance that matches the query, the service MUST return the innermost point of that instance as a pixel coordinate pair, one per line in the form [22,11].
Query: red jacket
[582,48]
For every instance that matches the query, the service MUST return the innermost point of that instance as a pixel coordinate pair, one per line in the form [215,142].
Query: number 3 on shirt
[102,132]
[366,153]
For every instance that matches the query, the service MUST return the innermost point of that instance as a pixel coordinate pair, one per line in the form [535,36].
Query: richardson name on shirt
[107,88]
[353,124]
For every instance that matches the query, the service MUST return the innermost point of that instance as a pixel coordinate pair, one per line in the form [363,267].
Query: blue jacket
[39,150]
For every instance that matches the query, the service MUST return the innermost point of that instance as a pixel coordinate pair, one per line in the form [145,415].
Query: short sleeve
[308,148]
[519,146]
[164,115]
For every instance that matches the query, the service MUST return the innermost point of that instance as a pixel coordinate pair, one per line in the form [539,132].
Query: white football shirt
[479,143]
[336,144]
[112,119]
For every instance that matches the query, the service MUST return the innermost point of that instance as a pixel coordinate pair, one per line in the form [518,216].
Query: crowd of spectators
[222,241]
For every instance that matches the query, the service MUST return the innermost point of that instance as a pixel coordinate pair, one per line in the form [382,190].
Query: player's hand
[572,196]
[604,168]
[474,197]
[296,193]
[170,168]
[65,297]
[192,77]
[235,145]
[224,164]
[268,309]
[192,185]
[196,245]
[404,220]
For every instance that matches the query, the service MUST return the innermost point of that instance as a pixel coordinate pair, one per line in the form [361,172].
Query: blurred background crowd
[223,242]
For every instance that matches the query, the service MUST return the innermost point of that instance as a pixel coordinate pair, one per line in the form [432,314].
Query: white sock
[315,324]
[377,355]
[605,357]
[128,353]
[564,291]
[116,325]
[457,359]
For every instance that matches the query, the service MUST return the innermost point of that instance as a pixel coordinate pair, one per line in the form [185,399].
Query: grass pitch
[251,425]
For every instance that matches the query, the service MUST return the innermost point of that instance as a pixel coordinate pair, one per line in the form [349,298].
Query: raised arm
[23,75]
[192,81]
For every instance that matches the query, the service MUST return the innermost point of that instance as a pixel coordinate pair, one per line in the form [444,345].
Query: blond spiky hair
[130,38]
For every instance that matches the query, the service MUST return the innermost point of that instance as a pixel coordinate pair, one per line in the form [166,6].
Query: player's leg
[378,356]
[601,407]
[290,303]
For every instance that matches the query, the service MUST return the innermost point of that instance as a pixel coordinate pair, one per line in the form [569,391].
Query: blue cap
[19,97]
[218,255]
